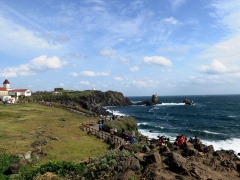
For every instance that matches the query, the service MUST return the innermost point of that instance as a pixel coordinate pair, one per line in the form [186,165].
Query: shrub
[5,162]
[64,169]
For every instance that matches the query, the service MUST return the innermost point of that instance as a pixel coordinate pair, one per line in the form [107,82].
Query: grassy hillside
[21,125]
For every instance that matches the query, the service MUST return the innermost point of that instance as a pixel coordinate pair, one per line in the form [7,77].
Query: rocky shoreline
[151,160]
[194,160]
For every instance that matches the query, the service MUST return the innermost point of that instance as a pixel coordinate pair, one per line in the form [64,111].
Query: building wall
[3,93]
[7,86]
[28,93]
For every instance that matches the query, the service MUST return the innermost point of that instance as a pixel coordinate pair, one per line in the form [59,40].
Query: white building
[19,92]
[8,94]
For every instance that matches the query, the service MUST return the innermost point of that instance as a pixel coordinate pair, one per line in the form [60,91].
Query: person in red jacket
[181,140]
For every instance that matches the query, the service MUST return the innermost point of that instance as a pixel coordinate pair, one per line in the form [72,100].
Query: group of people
[131,137]
[128,137]
[179,141]
[163,141]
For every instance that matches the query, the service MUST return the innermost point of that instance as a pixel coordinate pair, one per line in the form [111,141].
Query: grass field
[23,124]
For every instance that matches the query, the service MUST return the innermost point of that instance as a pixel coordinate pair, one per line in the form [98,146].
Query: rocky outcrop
[193,161]
[188,102]
[151,102]
[96,100]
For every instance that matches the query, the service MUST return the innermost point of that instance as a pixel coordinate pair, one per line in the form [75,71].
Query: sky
[137,47]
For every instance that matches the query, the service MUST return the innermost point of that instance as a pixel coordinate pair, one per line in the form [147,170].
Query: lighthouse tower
[6,84]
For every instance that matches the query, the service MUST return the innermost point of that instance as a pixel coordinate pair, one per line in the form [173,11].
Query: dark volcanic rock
[153,158]
[176,162]
[134,165]
[95,101]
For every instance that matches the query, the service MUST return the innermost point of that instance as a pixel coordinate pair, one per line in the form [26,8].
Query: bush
[106,164]
[128,123]
[64,169]
[5,162]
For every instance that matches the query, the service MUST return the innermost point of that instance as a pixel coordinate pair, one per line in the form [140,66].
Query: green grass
[23,124]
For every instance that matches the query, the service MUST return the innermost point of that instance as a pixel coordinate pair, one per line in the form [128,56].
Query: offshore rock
[188,102]
[155,99]
[151,102]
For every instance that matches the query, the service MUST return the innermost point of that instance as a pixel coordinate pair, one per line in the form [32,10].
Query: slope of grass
[23,124]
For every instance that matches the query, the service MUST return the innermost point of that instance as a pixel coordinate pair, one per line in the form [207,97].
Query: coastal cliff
[89,100]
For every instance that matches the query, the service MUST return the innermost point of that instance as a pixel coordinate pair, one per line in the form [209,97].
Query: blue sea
[215,119]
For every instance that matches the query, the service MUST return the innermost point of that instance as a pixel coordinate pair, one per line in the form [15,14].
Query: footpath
[93,128]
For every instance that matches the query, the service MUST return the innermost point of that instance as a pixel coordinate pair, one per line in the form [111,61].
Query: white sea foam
[230,144]
[205,131]
[155,134]
[161,127]
[150,110]
[143,123]
[116,112]
[210,132]
[150,135]
[136,101]
[171,104]
[232,116]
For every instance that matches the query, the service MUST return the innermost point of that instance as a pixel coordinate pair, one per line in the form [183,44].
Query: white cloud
[226,13]
[91,73]
[216,67]
[109,52]
[124,60]
[147,82]
[157,60]
[175,49]
[85,83]
[227,50]
[137,4]
[176,3]
[139,83]
[14,36]
[170,20]
[134,68]
[119,78]
[36,65]
[74,74]
[45,62]
[22,70]
[226,54]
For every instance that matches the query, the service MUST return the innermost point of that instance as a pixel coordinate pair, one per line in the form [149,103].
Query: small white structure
[56,93]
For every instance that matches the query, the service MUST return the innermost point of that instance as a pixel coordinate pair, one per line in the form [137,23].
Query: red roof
[3,89]
[6,82]
[18,90]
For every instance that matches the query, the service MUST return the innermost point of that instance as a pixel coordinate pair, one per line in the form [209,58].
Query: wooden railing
[103,135]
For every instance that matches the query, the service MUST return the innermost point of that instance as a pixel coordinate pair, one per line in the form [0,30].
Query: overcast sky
[137,47]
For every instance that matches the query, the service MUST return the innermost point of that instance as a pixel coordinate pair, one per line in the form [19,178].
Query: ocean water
[214,119]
